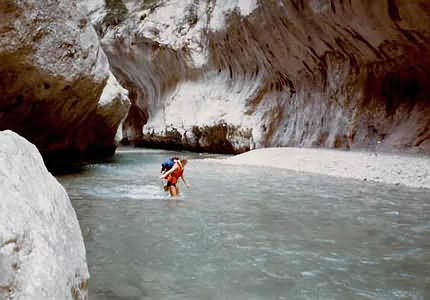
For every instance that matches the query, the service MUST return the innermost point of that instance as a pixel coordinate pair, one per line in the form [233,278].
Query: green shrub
[150,4]
[116,12]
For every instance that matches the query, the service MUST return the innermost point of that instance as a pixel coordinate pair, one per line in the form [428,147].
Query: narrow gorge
[229,76]
[80,78]
[216,76]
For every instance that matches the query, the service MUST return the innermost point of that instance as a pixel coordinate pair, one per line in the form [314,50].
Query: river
[247,233]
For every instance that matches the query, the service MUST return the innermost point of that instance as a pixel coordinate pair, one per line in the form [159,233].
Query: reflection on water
[248,233]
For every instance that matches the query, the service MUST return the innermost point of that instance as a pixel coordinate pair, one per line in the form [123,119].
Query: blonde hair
[183,161]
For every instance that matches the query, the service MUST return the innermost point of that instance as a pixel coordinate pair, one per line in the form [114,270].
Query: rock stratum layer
[56,88]
[42,254]
[233,75]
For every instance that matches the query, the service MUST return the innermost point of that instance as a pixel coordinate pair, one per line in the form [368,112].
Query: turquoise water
[248,233]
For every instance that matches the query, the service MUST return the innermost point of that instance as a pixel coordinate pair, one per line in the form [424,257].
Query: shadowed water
[248,233]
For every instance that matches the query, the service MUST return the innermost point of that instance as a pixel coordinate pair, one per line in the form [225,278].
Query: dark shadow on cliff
[72,161]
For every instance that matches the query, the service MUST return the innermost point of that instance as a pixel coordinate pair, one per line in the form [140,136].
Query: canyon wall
[42,253]
[56,88]
[233,75]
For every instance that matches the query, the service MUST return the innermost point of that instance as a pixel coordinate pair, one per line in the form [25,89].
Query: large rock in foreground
[53,80]
[42,254]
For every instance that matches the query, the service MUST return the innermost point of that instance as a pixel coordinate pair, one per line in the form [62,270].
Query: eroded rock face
[56,88]
[42,254]
[331,73]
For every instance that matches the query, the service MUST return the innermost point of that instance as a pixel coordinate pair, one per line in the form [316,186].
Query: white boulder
[42,254]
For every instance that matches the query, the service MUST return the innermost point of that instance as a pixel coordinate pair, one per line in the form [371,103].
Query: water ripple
[248,233]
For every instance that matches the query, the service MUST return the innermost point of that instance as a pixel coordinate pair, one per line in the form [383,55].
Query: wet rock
[55,81]
[42,254]
[220,138]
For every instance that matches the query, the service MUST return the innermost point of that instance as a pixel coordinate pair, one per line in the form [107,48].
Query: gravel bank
[404,169]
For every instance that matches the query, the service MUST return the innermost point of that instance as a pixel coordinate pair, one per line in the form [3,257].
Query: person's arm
[175,166]
[185,182]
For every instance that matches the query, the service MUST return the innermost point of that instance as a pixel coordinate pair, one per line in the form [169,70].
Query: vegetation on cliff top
[116,12]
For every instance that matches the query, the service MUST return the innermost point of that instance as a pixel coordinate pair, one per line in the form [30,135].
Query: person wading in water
[173,175]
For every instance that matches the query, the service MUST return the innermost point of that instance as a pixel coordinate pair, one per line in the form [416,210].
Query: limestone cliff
[42,253]
[56,88]
[230,75]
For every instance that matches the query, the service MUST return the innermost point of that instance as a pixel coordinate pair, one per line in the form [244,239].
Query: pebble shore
[399,169]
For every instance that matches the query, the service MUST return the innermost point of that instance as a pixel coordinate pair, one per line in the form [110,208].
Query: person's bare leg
[177,190]
[172,191]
